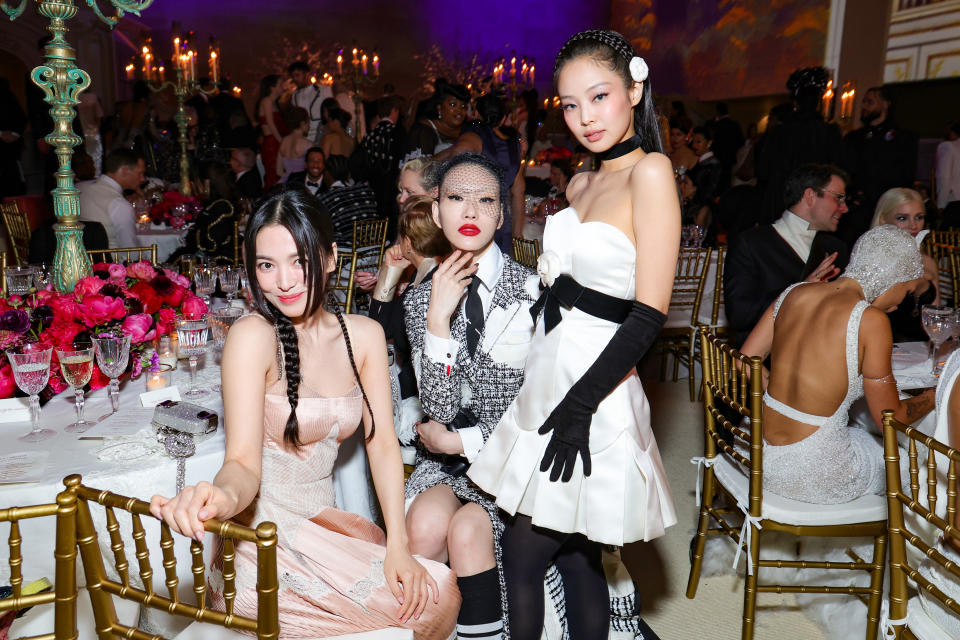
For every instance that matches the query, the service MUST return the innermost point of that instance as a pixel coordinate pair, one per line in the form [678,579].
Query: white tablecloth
[681,316]
[167,240]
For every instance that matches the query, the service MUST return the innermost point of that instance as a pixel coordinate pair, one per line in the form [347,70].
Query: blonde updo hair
[890,201]
[416,223]
[426,167]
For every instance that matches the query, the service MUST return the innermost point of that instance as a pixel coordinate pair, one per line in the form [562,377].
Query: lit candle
[513,68]
[523,70]
[214,67]
[193,65]
[376,64]
[533,71]
[163,73]
[340,62]
[147,69]
[131,70]
[545,101]
[236,91]
[313,79]
[363,61]
[355,59]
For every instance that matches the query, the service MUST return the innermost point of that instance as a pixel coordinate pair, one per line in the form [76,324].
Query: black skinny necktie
[474,310]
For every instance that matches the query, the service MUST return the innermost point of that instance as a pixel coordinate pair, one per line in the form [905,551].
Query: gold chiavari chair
[125,255]
[64,594]
[340,285]
[366,252]
[526,252]
[3,272]
[17,225]
[909,619]
[732,485]
[678,336]
[102,589]
[941,245]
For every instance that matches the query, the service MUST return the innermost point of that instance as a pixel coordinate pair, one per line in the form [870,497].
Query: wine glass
[76,365]
[31,371]
[113,353]
[229,281]
[192,335]
[19,280]
[938,322]
[205,280]
[220,322]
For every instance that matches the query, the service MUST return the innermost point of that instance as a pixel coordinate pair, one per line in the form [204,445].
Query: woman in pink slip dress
[297,380]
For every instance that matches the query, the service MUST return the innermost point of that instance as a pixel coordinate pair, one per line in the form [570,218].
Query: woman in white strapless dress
[573,459]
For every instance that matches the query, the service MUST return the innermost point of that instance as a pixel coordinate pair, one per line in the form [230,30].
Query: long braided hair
[311,226]
[615,51]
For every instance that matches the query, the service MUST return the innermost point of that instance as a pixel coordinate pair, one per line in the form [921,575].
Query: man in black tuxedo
[243,162]
[311,178]
[800,245]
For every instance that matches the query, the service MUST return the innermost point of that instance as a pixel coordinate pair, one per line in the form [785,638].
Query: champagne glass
[113,353]
[192,335]
[938,323]
[220,322]
[205,280]
[76,365]
[229,281]
[31,371]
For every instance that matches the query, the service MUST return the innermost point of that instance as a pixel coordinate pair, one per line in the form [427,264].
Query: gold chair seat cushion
[868,508]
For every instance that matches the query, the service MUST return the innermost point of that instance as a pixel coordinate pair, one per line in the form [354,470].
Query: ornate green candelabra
[182,88]
[62,81]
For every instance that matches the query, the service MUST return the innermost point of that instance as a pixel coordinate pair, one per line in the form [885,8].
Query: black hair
[613,50]
[314,150]
[564,165]
[311,226]
[299,65]
[955,127]
[340,115]
[120,157]
[475,159]
[267,83]
[386,105]
[810,176]
[883,92]
[296,116]
[326,108]
[223,186]
[491,109]
[722,109]
[338,167]
[704,131]
[807,86]
[681,122]
[141,91]
[458,91]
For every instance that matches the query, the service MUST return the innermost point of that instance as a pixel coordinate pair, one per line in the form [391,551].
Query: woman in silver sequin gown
[829,343]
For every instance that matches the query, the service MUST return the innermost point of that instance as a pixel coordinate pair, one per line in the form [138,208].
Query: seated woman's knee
[470,532]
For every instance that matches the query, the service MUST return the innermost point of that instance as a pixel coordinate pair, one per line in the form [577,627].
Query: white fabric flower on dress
[638,69]
[548,267]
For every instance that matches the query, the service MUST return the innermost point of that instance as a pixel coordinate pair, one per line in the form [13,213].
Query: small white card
[15,410]
[125,422]
[26,466]
[153,398]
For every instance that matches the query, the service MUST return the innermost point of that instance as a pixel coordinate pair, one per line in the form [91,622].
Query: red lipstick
[469,230]
[291,299]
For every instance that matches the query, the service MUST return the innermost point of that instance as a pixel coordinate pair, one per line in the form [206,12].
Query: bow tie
[315,185]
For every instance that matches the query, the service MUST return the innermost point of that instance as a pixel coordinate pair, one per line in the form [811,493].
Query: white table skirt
[167,240]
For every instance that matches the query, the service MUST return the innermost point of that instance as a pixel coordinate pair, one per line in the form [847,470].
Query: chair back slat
[17,225]
[718,287]
[169,562]
[526,252]
[126,255]
[900,529]
[229,576]
[689,279]
[116,545]
[14,541]
[102,589]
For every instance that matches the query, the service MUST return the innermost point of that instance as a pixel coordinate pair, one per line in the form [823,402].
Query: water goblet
[229,281]
[113,353]
[31,371]
[220,322]
[205,281]
[938,323]
[193,335]
[19,280]
[76,365]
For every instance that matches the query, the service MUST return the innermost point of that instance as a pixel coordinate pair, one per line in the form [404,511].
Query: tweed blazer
[488,381]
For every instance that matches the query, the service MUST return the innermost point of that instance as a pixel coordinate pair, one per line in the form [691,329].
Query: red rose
[147,295]
[193,307]
[99,309]
[165,319]
[61,334]
[87,286]
[175,295]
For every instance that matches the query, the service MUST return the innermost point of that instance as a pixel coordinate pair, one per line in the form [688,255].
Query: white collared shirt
[706,156]
[444,350]
[318,182]
[796,232]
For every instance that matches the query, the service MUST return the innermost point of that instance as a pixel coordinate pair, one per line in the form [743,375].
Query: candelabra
[357,77]
[522,75]
[62,82]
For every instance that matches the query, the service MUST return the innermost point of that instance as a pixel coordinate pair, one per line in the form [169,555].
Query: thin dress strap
[776,306]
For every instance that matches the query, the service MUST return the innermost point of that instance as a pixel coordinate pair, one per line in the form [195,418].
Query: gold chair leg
[750,587]
[692,367]
[700,537]
[676,362]
[876,585]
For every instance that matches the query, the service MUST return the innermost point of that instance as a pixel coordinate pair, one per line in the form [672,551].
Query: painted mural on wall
[721,49]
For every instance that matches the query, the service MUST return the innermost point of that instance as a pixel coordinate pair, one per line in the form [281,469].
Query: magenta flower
[139,327]
[142,270]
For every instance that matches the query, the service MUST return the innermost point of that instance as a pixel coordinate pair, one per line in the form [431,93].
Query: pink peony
[61,334]
[142,270]
[99,309]
[140,328]
[87,286]
[46,297]
[117,271]
[147,295]
[193,307]
[7,384]
[165,320]
[183,281]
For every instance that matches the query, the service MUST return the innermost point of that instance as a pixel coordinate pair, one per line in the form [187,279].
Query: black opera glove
[570,420]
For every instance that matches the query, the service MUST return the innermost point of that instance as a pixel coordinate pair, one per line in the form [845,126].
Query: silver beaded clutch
[185,417]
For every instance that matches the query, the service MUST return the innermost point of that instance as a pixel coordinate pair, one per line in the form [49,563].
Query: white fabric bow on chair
[746,532]
[701,462]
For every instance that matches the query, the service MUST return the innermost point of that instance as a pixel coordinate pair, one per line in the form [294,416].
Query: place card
[15,410]
[153,398]
[25,466]
[127,422]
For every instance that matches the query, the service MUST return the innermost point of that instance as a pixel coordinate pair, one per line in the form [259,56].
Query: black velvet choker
[620,149]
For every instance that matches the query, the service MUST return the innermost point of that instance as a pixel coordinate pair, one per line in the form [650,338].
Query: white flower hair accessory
[638,69]
[548,267]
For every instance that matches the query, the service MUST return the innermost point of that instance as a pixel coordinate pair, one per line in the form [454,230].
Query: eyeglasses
[841,198]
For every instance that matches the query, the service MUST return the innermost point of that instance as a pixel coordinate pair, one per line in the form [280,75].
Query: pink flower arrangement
[175,210]
[136,300]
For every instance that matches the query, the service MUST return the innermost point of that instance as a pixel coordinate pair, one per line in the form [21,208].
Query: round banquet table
[140,478]
[166,238]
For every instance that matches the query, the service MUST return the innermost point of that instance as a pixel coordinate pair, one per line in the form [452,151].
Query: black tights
[527,550]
